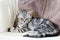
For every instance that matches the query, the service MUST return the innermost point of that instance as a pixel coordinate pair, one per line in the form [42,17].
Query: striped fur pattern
[35,27]
[24,16]
[40,27]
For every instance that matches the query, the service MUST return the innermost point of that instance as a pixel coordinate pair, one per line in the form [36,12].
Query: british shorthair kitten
[35,27]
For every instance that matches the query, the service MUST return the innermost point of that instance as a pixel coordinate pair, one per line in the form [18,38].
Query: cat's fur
[41,27]
[35,27]
[23,18]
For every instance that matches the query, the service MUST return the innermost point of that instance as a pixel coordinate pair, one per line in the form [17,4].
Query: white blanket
[18,36]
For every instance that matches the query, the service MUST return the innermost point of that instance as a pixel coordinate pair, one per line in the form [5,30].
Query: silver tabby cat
[35,27]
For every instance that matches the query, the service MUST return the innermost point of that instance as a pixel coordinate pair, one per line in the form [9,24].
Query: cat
[35,27]
[23,18]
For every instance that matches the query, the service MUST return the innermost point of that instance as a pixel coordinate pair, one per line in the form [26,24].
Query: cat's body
[35,27]
[40,27]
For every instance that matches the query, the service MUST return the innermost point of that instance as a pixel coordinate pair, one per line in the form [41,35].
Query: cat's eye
[26,19]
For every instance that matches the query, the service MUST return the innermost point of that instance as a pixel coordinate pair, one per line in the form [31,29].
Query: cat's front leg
[23,29]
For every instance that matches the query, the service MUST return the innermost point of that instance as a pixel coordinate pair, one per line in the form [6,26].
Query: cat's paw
[12,29]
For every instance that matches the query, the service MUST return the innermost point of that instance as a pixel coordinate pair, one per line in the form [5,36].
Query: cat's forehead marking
[24,15]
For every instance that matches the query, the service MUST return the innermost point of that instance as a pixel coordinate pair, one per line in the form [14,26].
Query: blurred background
[7,10]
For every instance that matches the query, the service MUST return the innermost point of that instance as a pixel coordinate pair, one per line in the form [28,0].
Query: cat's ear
[19,12]
[30,12]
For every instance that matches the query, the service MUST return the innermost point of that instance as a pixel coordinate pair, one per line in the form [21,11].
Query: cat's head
[25,16]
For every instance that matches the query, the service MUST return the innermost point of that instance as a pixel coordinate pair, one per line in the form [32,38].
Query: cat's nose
[24,19]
